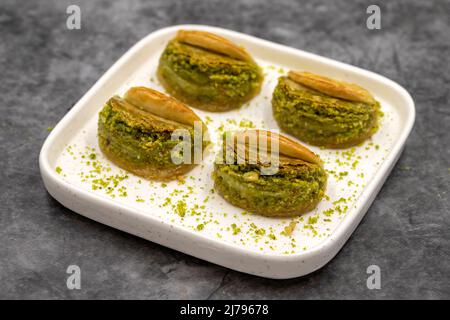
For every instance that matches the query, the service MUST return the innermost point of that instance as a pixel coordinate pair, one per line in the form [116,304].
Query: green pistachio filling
[134,139]
[295,188]
[199,76]
[320,119]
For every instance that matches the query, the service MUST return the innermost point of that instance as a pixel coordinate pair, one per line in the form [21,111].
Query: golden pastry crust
[332,87]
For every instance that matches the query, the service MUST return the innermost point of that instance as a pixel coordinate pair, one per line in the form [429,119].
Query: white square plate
[188,216]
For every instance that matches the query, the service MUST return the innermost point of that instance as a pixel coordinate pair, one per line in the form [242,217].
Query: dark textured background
[46,68]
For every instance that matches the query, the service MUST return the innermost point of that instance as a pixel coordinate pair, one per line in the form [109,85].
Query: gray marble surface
[45,68]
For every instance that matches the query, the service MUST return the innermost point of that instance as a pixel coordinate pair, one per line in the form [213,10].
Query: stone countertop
[46,68]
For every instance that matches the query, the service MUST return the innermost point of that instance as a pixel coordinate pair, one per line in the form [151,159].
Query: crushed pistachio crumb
[289,229]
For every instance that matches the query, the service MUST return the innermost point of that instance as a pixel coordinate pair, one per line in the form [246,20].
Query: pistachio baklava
[323,111]
[136,133]
[209,72]
[270,175]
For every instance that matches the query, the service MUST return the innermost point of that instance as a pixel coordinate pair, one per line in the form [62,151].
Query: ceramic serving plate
[187,215]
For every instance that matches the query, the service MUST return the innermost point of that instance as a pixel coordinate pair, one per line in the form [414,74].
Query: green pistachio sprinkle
[235,229]
[181,208]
